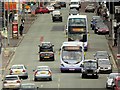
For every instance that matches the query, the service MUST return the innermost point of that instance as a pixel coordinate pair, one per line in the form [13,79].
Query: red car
[42,10]
[116,83]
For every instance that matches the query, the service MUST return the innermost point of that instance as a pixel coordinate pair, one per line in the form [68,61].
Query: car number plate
[17,72]
[89,74]
[43,73]
[71,69]
[46,57]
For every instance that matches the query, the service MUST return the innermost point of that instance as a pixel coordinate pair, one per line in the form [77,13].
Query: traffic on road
[72,53]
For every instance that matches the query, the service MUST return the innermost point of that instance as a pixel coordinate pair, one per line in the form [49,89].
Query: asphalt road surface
[43,27]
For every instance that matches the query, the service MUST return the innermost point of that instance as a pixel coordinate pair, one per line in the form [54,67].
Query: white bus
[77,29]
[71,56]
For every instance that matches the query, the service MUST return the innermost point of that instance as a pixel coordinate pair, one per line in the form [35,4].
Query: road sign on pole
[118,56]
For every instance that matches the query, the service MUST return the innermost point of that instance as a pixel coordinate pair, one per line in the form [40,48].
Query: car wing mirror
[9,68]
[33,70]
[37,88]
[38,45]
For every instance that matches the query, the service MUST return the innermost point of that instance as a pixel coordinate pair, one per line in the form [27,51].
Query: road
[43,27]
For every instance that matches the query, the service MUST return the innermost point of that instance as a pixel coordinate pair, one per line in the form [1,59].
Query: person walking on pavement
[21,29]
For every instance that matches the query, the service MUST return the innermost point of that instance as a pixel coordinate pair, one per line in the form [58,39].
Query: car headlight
[109,67]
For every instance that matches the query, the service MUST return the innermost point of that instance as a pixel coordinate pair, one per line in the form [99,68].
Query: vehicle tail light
[51,55]
[41,55]
[49,73]
[5,81]
[18,81]
[24,71]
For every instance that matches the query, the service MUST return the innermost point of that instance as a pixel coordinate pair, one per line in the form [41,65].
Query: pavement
[9,51]
[114,49]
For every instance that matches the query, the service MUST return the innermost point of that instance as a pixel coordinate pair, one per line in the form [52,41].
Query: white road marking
[41,86]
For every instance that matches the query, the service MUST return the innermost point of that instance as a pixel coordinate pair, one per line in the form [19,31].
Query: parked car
[57,6]
[116,83]
[90,8]
[90,68]
[56,16]
[62,4]
[20,70]
[11,82]
[50,8]
[46,51]
[42,72]
[94,20]
[110,79]
[101,55]
[105,66]
[102,29]
[41,10]
[73,12]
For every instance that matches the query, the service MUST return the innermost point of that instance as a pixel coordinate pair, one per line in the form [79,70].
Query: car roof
[17,65]
[117,77]
[42,66]
[90,60]
[11,75]
[77,16]
[72,43]
[45,42]
[56,12]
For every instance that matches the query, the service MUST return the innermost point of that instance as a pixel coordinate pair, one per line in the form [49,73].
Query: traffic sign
[118,56]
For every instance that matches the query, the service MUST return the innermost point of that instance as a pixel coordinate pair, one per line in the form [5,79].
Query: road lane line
[58,86]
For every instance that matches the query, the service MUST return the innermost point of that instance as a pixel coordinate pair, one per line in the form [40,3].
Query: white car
[11,82]
[19,70]
[50,8]
[42,72]
[110,79]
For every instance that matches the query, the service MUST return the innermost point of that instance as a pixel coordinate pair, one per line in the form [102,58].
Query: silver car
[19,70]
[42,72]
[101,55]
[11,82]
[105,66]
[110,79]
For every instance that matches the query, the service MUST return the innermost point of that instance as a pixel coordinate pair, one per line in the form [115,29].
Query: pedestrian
[115,42]
[22,20]
[21,29]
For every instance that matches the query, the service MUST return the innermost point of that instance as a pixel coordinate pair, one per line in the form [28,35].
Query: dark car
[62,4]
[98,25]
[57,6]
[42,10]
[101,55]
[73,12]
[105,66]
[90,68]
[90,8]
[56,16]
[94,20]
[46,51]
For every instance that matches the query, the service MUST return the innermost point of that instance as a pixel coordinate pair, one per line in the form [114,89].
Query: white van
[75,4]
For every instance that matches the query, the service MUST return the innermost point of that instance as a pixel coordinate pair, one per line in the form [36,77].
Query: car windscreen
[77,22]
[102,55]
[74,2]
[118,83]
[17,67]
[11,78]
[71,55]
[104,62]
[90,65]
[113,75]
